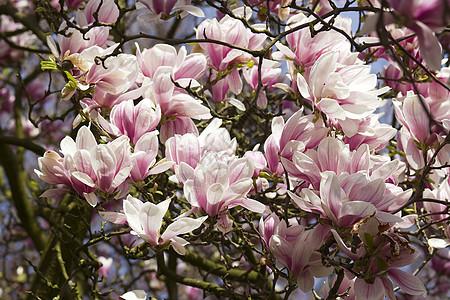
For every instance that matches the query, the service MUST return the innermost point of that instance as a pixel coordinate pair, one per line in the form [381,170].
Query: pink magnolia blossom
[217,186]
[301,256]
[217,139]
[187,150]
[174,104]
[273,226]
[304,49]
[106,266]
[146,219]
[372,133]
[258,159]
[331,155]
[134,121]
[412,113]
[179,125]
[108,12]
[422,17]
[186,68]
[184,148]
[116,76]
[230,31]
[333,203]
[164,9]
[221,88]
[442,192]
[87,166]
[143,158]
[415,137]
[299,133]
[345,94]
[270,78]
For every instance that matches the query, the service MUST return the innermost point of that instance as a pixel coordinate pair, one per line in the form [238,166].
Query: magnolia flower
[301,256]
[346,94]
[413,114]
[107,12]
[299,133]
[442,192]
[186,68]
[305,49]
[174,104]
[145,219]
[115,76]
[333,203]
[163,9]
[87,166]
[106,266]
[231,31]
[217,186]
[187,150]
[143,158]
[273,226]
[133,121]
[270,78]
[331,155]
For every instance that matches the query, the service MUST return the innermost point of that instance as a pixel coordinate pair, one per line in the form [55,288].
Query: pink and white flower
[217,186]
[146,219]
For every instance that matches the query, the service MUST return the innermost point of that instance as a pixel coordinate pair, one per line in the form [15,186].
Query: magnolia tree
[248,149]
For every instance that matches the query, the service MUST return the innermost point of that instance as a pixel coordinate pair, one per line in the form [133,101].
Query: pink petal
[410,284]
[365,291]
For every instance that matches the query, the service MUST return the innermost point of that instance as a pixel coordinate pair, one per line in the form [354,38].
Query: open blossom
[372,133]
[333,203]
[108,12]
[299,133]
[87,166]
[346,199]
[116,76]
[143,158]
[186,68]
[270,78]
[345,94]
[174,104]
[416,135]
[230,31]
[134,121]
[76,42]
[333,155]
[273,226]
[442,192]
[187,150]
[146,219]
[301,255]
[424,18]
[217,186]
[304,49]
